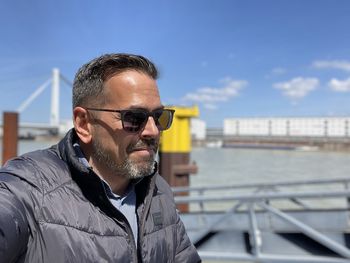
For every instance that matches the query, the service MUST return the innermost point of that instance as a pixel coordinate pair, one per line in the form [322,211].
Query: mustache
[150,143]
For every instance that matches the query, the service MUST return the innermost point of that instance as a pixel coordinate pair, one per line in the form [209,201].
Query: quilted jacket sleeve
[14,231]
[186,252]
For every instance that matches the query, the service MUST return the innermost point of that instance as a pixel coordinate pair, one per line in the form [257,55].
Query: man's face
[130,155]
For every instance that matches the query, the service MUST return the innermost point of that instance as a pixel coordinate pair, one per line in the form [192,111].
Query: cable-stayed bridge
[55,126]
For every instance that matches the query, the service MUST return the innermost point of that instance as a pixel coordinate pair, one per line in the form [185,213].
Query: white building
[198,129]
[293,126]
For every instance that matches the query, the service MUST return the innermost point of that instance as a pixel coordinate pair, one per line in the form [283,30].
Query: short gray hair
[89,80]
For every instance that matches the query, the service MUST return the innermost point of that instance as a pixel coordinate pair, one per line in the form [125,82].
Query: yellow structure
[178,138]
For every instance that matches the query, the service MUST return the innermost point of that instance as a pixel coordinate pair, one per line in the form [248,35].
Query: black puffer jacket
[54,209]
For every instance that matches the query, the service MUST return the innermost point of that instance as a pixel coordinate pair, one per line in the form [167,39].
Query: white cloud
[278,71]
[332,64]
[339,85]
[298,87]
[209,96]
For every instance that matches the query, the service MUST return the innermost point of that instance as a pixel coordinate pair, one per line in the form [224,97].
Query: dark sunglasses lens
[164,119]
[133,121]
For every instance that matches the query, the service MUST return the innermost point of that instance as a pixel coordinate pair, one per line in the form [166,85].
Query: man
[96,195]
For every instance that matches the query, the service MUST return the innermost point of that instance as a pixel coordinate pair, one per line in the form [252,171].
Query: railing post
[201,203]
[348,198]
[255,234]
[9,136]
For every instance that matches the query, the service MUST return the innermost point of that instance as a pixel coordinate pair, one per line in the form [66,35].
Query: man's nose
[151,129]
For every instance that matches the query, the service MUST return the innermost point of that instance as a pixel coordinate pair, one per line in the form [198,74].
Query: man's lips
[148,149]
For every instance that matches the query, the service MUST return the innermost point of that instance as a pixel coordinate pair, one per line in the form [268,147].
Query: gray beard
[127,168]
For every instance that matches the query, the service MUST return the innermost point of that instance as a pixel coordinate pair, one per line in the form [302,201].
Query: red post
[9,136]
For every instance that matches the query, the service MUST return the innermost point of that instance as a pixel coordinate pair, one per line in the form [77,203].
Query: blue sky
[232,58]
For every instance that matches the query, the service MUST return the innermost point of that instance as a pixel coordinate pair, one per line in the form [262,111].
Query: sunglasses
[134,120]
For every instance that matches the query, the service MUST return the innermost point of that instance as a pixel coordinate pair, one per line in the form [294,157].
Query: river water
[237,166]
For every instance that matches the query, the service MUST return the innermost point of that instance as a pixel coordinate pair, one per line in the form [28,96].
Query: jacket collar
[68,153]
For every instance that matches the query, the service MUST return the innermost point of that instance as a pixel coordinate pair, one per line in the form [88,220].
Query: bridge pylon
[55,95]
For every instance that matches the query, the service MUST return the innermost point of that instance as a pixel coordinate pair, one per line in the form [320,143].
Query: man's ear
[82,124]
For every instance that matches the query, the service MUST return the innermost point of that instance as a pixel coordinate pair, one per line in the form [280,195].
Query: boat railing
[252,211]
[215,193]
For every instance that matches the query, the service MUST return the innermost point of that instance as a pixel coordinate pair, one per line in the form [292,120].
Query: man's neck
[117,183]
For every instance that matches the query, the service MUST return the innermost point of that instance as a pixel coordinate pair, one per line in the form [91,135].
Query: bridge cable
[32,97]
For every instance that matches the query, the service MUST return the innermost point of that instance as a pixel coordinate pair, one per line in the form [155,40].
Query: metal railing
[341,184]
[260,199]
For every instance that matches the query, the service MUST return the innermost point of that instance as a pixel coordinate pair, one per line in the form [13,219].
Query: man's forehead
[132,89]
